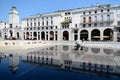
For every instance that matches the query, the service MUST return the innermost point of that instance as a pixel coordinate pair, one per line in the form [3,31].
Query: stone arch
[65,35]
[43,35]
[108,33]
[51,35]
[83,35]
[95,35]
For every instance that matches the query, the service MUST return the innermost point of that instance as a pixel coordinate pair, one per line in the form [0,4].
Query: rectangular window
[27,24]
[51,22]
[118,22]
[89,25]
[101,24]
[84,25]
[108,23]
[38,23]
[95,24]
[10,25]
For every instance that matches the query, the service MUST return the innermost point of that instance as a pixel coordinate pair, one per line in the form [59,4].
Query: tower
[13,16]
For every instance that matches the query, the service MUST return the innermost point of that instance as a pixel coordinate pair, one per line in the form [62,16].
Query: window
[47,23]
[102,19]
[108,23]
[51,27]
[31,24]
[46,27]
[10,25]
[108,10]
[84,25]
[118,22]
[108,17]
[65,13]
[83,13]
[89,12]
[101,24]
[27,24]
[89,19]
[101,10]
[0,34]
[42,23]
[95,12]
[38,23]
[95,18]
[51,22]
[56,27]
[95,24]
[84,20]
[68,13]
[89,25]
[75,25]
[34,23]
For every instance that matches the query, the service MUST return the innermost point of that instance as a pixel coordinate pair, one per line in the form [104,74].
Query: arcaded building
[11,30]
[97,23]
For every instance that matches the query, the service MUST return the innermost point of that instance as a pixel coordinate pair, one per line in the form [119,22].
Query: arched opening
[0,34]
[75,34]
[95,35]
[18,35]
[84,20]
[38,35]
[27,35]
[65,35]
[89,19]
[51,35]
[35,36]
[43,35]
[108,33]
[84,35]
[11,33]
[95,50]
[108,51]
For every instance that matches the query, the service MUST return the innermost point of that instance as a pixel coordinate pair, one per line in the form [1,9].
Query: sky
[27,8]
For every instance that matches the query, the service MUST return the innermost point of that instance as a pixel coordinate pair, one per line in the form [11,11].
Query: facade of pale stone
[12,29]
[97,23]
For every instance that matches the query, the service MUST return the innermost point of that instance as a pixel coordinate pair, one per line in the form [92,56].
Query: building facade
[96,23]
[11,30]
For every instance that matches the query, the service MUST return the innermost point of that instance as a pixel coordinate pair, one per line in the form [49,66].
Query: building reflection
[14,62]
[65,57]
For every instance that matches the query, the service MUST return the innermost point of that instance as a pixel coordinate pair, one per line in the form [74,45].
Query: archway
[35,36]
[43,35]
[51,35]
[11,33]
[84,35]
[108,33]
[27,35]
[65,35]
[18,35]
[95,35]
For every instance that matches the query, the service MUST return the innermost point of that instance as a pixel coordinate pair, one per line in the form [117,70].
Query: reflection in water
[14,62]
[64,57]
[117,53]
[65,48]
[95,50]
[108,51]
[0,60]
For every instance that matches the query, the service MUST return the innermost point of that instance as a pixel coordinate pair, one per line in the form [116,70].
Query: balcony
[96,21]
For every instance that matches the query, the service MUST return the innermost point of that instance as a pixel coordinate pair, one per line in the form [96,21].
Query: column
[89,35]
[101,35]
